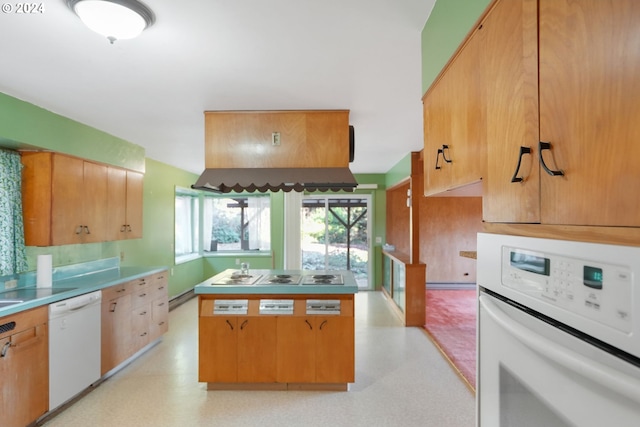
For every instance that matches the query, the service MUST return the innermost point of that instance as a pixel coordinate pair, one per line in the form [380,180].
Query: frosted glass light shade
[116,20]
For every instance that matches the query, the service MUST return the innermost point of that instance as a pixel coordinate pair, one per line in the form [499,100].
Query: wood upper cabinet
[509,36]
[125,204]
[67,200]
[454,135]
[588,92]
[64,200]
[24,367]
[589,109]
[244,139]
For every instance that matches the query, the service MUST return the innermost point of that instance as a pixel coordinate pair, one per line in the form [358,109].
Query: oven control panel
[597,290]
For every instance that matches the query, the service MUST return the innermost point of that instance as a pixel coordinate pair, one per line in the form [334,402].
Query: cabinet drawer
[158,284]
[18,322]
[116,291]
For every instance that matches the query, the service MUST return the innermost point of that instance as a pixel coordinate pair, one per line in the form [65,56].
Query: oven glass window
[592,277]
[520,407]
[531,263]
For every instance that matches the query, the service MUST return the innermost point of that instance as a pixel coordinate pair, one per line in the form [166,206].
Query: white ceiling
[361,55]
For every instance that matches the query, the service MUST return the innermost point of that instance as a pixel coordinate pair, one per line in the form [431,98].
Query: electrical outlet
[378,240]
[10,284]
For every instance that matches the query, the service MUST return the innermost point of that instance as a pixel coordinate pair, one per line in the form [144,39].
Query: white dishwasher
[74,346]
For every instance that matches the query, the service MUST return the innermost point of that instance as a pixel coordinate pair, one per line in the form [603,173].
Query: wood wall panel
[449,225]
[398,218]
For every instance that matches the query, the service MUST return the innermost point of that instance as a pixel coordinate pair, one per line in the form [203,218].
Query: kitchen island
[277,330]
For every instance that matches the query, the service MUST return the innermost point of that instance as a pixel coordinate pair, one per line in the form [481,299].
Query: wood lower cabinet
[116,326]
[279,351]
[24,367]
[315,349]
[134,314]
[405,284]
[237,349]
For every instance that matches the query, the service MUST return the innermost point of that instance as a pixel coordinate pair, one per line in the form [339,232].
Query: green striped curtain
[13,258]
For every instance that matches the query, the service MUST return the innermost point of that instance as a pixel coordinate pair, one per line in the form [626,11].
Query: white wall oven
[558,333]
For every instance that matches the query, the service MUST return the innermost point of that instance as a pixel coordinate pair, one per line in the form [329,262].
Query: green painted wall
[24,125]
[399,172]
[449,23]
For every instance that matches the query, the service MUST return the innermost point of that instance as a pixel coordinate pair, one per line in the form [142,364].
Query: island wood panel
[243,139]
[301,351]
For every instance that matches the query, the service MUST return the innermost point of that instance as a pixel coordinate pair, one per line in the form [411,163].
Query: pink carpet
[451,322]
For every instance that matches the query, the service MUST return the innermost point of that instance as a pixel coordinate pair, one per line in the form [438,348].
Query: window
[187,233]
[240,223]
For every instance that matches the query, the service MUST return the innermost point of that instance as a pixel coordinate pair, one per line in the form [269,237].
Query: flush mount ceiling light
[114,19]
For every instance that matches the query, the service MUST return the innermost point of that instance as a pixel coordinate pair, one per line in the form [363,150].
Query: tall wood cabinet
[67,200]
[588,91]
[24,367]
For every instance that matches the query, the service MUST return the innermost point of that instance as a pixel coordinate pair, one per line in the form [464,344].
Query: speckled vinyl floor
[401,380]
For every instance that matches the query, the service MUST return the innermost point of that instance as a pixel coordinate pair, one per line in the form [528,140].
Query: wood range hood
[277,150]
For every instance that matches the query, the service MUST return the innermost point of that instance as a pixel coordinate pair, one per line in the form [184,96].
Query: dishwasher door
[74,346]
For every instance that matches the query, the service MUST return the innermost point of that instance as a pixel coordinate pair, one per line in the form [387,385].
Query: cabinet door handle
[323,323]
[86,229]
[307,322]
[79,229]
[438,158]
[523,151]
[444,155]
[123,228]
[5,348]
[547,146]
[113,307]
[230,325]
[243,324]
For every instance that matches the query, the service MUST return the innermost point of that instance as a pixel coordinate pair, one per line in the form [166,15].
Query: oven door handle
[569,359]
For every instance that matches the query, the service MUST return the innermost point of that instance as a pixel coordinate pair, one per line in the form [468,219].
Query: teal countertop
[212,286]
[77,281]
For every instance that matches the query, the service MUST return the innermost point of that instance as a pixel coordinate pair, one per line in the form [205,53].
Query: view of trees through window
[334,235]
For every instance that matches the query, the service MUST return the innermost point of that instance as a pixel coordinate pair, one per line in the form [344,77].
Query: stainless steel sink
[7,303]
[18,295]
